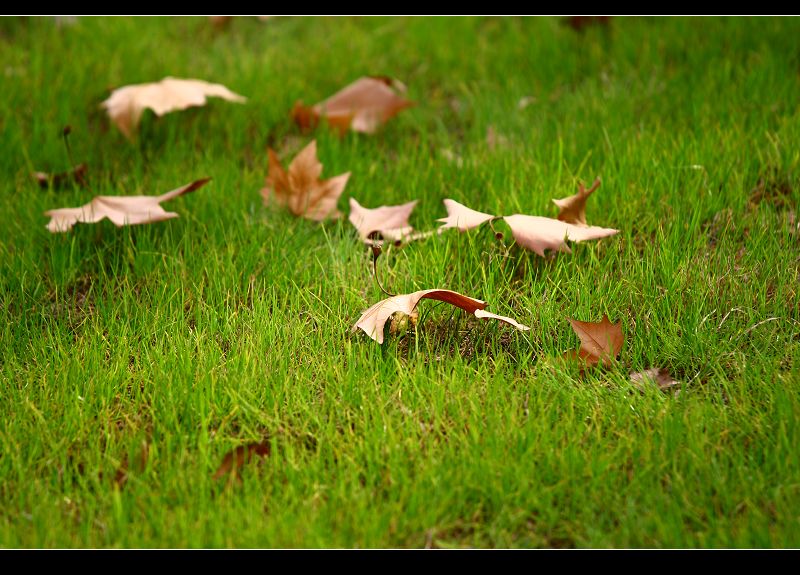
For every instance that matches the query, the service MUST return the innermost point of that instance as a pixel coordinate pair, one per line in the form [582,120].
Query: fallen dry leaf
[656,376]
[300,188]
[578,23]
[572,209]
[76,174]
[495,140]
[372,321]
[538,234]
[600,342]
[126,105]
[121,210]
[361,107]
[461,217]
[235,459]
[391,222]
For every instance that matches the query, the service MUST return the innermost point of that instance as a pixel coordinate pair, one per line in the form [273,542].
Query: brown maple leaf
[600,342]
[121,210]
[300,188]
[461,217]
[657,376]
[391,222]
[76,174]
[235,459]
[538,234]
[126,105]
[572,209]
[362,106]
[373,320]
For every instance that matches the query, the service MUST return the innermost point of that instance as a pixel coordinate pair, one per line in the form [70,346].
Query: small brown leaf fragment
[578,23]
[126,105]
[461,217]
[373,320]
[572,209]
[236,459]
[658,376]
[600,342]
[300,188]
[121,210]
[539,234]
[362,106]
[76,174]
[495,140]
[391,222]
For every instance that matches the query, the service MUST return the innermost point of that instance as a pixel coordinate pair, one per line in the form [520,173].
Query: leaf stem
[376,253]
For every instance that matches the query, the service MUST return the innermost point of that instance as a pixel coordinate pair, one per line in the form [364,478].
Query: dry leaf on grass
[534,233]
[600,342]
[126,105]
[572,209]
[461,217]
[121,210]
[235,459]
[656,376]
[361,107]
[373,320]
[538,234]
[391,222]
[76,174]
[300,188]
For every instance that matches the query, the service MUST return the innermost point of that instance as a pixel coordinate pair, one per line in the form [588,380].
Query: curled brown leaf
[362,106]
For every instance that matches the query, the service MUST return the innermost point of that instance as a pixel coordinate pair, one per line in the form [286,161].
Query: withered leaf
[461,217]
[538,234]
[362,106]
[76,174]
[391,222]
[658,376]
[121,210]
[373,320]
[126,105]
[572,209]
[600,342]
[235,459]
[300,188]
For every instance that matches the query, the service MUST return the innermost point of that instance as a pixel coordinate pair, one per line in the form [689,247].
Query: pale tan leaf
[301,189]
[654,376]
[572,209]
[126,105]
[373,320]
[121,210]
[362,106]
[461,217]
[483,314]
[391,222]
[538,234]
[600,342]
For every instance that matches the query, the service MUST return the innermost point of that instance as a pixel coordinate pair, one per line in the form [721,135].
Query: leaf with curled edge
[121,210]
[600,342]
[126,105]
[538,234]
[373,320]
[461,217]
[362,106]
[300,188]
[391,222]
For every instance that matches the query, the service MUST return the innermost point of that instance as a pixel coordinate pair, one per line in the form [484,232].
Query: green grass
[232,323]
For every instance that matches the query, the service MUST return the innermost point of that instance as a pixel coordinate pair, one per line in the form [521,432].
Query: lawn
[133,359]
